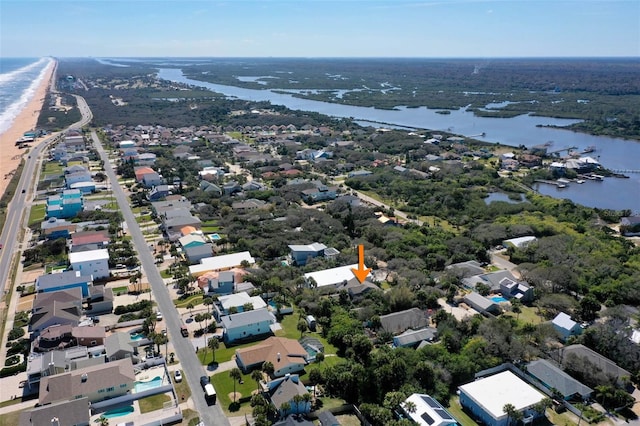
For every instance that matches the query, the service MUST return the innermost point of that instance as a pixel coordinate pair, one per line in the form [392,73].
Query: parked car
[159,316]
[177,375]
[204,381]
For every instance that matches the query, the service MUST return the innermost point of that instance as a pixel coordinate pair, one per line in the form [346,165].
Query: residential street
[192,369]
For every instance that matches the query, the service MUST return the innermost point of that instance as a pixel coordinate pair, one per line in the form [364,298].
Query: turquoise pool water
[215,237]
[118,412]
[149,384]
[311,351]
[136,336]
[498,299]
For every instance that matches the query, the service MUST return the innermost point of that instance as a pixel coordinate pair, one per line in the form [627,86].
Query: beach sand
[11,155]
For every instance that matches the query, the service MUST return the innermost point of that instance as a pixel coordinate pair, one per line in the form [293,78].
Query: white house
[93,262]
[245,325]
[565,326]
[331,277]
[486,398]
[238,300]
[221,263]
[428,411]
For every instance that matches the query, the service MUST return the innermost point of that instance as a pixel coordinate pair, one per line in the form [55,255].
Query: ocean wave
[11,75]
[8,115]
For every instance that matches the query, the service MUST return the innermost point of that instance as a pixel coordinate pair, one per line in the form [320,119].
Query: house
[118,346]
[100,239]
[100,300]
[151,180]
[398,322]
[485,398]
[84,187]
[56,313]
[300,254]
[210,188]
[552,377]
[158,192]
[567,357]
[491,279]
[565,326]
[53,228]
[520,242]
[77,177]
[428,411]
[520,290]
[211,172]
[196,253]
[217,282]
[173,226]
[248,205]
[65,205]
[89,336]
[326,418]
[191,240]
[359,173]
[481,303]
[321,192]
[54,337]
[72,295]
[222,263]
[412,338]
[74,412]
[96,383]
[630,226]
[141,171]
[466,269]
[231,188]
[284,390]
[62,281]
[236,301]
[94,262]
[332,277]
[287,356]
[145,159]
[247,325]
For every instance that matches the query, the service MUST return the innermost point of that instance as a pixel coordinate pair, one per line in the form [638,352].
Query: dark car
[204,381]
[23,191]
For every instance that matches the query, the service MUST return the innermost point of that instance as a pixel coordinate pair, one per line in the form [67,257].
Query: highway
[16,210]
[191,367]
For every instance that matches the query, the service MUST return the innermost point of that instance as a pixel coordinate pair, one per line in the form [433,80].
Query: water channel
[527,130]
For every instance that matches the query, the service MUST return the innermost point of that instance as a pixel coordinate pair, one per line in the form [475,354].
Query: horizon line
[321,57]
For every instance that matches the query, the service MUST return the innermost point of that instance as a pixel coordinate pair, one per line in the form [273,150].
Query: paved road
[191,367]
[16,211]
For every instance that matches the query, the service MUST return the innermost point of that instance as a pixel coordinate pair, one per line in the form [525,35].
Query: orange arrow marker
[362,272]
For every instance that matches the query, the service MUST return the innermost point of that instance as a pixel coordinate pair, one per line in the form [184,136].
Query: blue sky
[320,28]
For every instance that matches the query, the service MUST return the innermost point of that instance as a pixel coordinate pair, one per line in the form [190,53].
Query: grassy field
[528,315]
[223,353]
[224,388]
[153,402]
[37,214]
[455,409]
[210,229]
[10,419]
[196,300]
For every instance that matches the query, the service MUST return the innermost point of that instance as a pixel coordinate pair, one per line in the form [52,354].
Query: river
[613,153]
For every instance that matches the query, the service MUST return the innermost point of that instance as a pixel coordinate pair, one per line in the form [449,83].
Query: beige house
[286,355]
[96,383]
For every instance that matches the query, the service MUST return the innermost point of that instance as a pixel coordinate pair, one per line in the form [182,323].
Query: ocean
[19,79]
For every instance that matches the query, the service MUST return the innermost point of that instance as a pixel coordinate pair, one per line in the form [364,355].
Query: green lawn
[37,214]
[52,167]
[210,229]
[153,402]
[224,387]
[196,300]
[166,274]
[289,329]
[223,353]
[528,315]
[455,409]
[121,290]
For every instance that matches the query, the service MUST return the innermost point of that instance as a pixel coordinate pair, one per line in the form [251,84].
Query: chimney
[278,357]
[55,421]
[84,377]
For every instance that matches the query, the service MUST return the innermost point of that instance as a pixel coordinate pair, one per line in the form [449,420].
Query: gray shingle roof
[398,322]
[554,377]
[245,318]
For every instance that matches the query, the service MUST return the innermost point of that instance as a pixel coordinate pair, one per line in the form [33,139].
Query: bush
[16,333]
[18,347]
[134,307]
[10,371]
[12,360]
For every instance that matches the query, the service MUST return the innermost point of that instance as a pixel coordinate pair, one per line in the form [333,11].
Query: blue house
[565,326]
[158,192]
[245,325]
[301,253]
[64,281]
[221,285]
[66,205]
[321,192]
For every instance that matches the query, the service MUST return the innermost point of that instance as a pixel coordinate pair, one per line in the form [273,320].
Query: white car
[178,376]
[159,316]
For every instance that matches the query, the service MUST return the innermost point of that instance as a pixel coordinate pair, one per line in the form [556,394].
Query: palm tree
[297,400]
[235,375]
[213,345]
[306,398]
[302,326]
[509,410]
[268,368]
[256,375]
[190,308]
[284,408]
[102,421]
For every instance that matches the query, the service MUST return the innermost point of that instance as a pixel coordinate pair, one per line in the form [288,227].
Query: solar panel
[427,419]
[443,414]
[430,402]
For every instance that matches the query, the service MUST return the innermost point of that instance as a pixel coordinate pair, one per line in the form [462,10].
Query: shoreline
[26,120]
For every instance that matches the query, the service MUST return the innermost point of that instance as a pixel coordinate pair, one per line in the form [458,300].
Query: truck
[209,394]
[184,330]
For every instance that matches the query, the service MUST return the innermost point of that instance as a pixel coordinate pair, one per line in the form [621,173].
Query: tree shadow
[234,406]
[212,366]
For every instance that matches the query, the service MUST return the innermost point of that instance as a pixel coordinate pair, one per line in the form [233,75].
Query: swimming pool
[311,351]
[215,237]
[149,384]
[499,299]
[118,412]
[136,336]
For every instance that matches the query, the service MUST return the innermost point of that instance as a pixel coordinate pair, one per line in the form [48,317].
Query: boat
[589,149]
[579,181]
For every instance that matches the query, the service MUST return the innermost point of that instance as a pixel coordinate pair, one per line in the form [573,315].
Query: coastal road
[16,210]
[191,367]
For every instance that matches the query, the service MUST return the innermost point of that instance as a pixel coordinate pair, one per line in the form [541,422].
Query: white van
[210,393]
